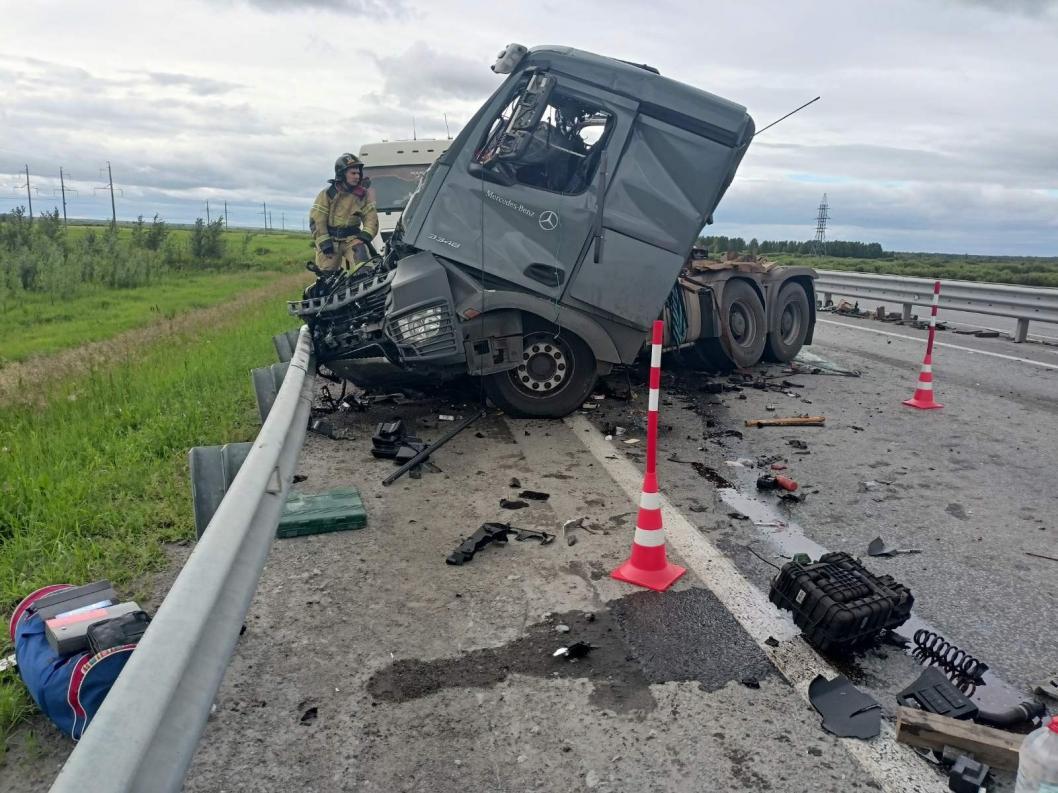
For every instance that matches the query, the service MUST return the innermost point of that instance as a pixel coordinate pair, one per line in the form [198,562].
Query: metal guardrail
[1023,303]
[145,734]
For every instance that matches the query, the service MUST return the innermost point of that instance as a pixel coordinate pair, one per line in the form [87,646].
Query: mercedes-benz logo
[548,220]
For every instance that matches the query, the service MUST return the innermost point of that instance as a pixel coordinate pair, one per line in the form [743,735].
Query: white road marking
[941,344]
[895,767]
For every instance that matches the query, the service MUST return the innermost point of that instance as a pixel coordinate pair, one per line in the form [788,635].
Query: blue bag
[67,689]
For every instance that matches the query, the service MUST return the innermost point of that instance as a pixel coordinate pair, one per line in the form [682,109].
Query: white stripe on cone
[652,404]
[650,501]
[925,386]
[649,538]
[927,367]
[655,356]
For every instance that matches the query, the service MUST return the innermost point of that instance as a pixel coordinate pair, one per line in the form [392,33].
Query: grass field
[94,483]
[1029,271]
[46,321]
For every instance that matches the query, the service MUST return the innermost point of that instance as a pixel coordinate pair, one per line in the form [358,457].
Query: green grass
[41,323]
[94,483]
[1027,271]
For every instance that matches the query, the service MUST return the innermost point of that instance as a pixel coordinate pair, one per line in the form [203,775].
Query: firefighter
[343,218]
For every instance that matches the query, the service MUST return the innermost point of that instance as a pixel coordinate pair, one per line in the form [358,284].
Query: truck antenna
[447,131]
[772,124]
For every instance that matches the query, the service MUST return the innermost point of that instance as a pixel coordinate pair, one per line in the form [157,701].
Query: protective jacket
[340,213]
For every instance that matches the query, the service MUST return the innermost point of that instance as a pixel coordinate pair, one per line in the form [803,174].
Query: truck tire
[744,330]
[557,374]
[794,316]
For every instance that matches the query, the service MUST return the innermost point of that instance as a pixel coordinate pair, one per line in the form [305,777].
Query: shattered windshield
[394,184]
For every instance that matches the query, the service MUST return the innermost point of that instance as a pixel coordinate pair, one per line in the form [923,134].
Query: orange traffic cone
[923,398]
[648,565]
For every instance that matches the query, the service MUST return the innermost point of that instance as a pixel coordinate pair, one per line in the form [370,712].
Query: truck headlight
[420,325]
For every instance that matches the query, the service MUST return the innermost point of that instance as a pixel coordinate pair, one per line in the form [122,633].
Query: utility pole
[283,220]
[447,131]
[225,214]
[413,135]
[264,211]
[271,225]
[62,186]
[29,194]
[113,206]
[208,219]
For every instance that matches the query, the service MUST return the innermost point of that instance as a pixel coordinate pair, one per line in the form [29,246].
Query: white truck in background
[395,168]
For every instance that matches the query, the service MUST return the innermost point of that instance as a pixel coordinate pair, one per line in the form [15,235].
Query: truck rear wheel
[744,330]
[556,375]
[792,310]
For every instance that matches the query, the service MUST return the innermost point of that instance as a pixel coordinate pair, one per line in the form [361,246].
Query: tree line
[842,249]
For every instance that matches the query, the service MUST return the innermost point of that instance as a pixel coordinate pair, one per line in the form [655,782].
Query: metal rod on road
[425,453]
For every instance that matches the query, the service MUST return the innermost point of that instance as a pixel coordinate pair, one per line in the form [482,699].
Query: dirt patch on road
[19,382]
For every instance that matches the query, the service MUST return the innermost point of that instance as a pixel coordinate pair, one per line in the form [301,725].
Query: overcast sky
[937,129]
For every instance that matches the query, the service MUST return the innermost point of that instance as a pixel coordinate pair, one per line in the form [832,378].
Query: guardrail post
[1022,331]
[907,310]
[828,299]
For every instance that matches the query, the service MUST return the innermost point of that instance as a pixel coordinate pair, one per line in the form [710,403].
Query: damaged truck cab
[537,251]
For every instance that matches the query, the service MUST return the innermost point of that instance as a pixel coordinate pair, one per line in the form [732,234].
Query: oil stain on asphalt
[638,640]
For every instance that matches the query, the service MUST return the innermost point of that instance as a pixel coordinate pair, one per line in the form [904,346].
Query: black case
[126,629]
[838,604]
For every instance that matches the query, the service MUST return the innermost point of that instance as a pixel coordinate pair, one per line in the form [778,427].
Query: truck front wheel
[786,340]
[556,375]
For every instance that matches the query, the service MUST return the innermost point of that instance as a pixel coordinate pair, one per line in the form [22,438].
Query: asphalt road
[371,665]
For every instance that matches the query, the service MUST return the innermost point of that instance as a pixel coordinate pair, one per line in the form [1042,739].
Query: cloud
[202,86]
[1031,8]
[423,73]
[368,8]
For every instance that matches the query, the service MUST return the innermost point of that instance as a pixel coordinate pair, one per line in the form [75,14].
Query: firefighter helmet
[344,163]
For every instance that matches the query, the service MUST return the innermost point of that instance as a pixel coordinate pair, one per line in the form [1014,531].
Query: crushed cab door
[652,210]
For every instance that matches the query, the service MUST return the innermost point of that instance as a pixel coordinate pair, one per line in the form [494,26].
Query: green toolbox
[318,513]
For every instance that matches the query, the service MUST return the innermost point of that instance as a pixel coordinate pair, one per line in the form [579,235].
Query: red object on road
[648,566]
[786,483]
[923,398]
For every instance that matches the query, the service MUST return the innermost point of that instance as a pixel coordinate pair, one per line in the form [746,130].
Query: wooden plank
[997,748]
[791,421]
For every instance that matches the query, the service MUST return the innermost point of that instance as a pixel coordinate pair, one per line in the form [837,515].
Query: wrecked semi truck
[537,251]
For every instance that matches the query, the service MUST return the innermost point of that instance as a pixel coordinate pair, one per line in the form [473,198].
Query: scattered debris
[737,516]
[933,692]
[631,441]
[568,530]
[770,408]
[769,482]
[798,444]
[1048,686]
[425,453]
[574,651]
[328,430]
[309,715]
[507,503]
[987,334]
[847,712]
[494,533]
[967,775]
[1042,556]
[839,604]
[778,466]
[726,434]
[516,482]
[562,628]
[793,498]
[299,478]
[712,388]
[749,681]
[444,417]
[790,421]
[534,495]
[771,641]
[998,748]
[877,548]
